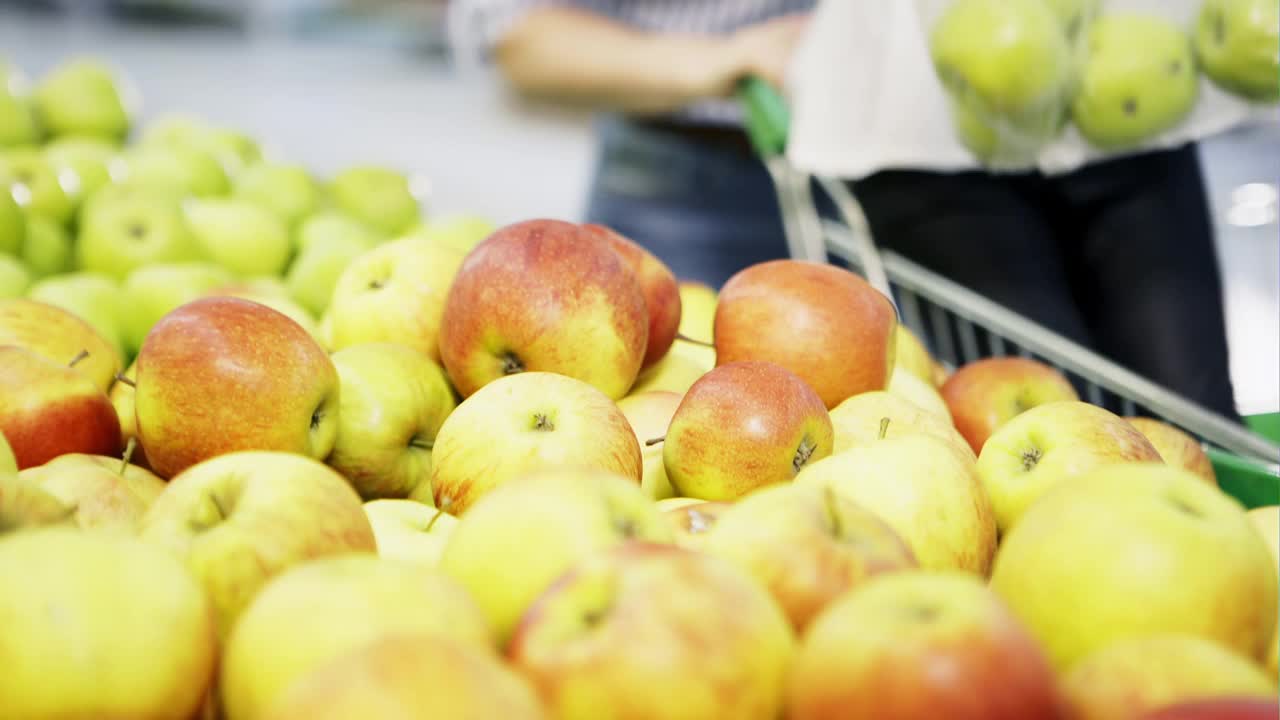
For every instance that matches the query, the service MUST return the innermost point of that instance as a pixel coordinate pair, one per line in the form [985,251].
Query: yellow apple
[697,310]
[867,418]
[807,545]
[319,610]
[921,392]
[1137,549]
[1176,447]
[527,422]
[692,519]
[656,632]
[409,530]
[409,676]
[107,493]
[649,415]
[1267,520]
[100,627]
[929,494]
[240,519]
[911,355]
[1134,676]
[60,336]
[677,371]
[523,535]
[24,505]
[1050,444]
[987,393]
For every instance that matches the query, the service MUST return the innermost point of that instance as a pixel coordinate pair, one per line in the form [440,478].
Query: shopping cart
[960,326]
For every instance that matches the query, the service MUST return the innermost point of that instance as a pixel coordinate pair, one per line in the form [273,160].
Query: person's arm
[576,56]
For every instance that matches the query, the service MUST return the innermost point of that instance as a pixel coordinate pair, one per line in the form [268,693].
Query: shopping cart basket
[960,326]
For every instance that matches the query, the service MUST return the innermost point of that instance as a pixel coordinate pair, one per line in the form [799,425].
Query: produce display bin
[960,326]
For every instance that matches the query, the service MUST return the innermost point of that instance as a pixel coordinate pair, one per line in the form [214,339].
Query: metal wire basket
[960,326]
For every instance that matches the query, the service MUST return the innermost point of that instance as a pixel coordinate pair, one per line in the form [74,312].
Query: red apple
[59,336]
[986,394]
[48,409]
[743,426]
[825,324]
[543,295]
[1176,447]
[1219,709]
[916,646]
[661,292]
[222,374]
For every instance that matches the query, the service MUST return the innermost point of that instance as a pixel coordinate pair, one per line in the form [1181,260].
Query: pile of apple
[1018,72]
[536,476]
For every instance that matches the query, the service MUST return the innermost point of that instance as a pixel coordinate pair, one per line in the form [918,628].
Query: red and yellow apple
[743,426]
[1222,708]
[59,336]
[655,632]
[985,394]
[49,409]
[544,295]
[867,418]
[107,493]
[527,422]
[1176,447]
[915,645]
[220,375]
[661,292]
[823,323]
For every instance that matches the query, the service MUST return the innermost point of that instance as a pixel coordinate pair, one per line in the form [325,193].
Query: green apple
[193,171]
[377,196]
[1008,59]
[656,632]
[1053,444]
[14,277]
[395,292]
[1138,549]
[13,222]
[409,530]
[95,298]
[314,272]
[973,130]
[427,672]
[38,186]
[1075,15]
[393,401]
[914,645]
[926,491]
[126,227]
[460,232]
[1235,41]
[84,599]
[333,224]
[241,519]
[1140,80]
[350,601]
[649,414]
[807,545]
[91,160]
[48,249]
[19,124]
[233,150]
[82,97]
[152,292]
[239,235]
[1137,675]
[289,191]
[523,423]
[514,543]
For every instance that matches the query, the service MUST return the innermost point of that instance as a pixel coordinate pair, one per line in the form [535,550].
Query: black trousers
[1117,256]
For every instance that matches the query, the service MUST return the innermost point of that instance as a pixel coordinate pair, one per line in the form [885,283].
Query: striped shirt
[477,26]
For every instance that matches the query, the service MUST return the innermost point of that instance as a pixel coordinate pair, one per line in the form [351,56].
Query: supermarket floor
[332,104]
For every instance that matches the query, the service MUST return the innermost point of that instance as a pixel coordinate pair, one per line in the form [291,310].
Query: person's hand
[765,49]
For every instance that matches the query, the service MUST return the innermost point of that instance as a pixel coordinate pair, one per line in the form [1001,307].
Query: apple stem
[79,356]
[884,427]
[654,441]
[128,455]
[434,518]
[222,511]
[121,378]
[694,341]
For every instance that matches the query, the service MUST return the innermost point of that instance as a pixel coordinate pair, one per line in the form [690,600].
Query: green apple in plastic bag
[1010,58]
[1075,15]
[1238,45]
[1140,81]
[83,97]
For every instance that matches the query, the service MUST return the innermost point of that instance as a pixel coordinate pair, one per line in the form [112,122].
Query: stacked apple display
[1018,72]
[270,449]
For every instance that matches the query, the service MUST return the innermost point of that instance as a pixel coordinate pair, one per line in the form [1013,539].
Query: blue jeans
[703,203]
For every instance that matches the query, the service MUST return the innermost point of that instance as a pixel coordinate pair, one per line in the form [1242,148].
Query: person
[1117,255]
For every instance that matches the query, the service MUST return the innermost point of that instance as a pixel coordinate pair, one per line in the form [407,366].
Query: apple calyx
[654,441]
[699,522]
[78,358]
[511,364]
[805,451]
[317,417]
[1030,458]
[542,421]
[421,443]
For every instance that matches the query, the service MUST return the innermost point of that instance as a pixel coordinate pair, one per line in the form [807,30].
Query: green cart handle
[768,120]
